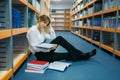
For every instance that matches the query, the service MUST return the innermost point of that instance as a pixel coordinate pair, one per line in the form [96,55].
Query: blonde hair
[44,18]
[37,16]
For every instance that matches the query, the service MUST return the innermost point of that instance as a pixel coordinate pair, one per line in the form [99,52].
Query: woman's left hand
[54,47]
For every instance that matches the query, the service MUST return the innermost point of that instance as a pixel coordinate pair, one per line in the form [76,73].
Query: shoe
[93,52]
[90,54]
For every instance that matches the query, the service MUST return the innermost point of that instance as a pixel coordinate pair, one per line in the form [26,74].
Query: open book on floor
[45,47]
[59,65]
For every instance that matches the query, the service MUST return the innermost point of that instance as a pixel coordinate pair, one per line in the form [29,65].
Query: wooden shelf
[108,29]
[7,33]
[86,38]
[75,27]
[95,42]
[118,7]
[63,19]
[19,31]
[117,52]
[29,5]
[17,61]
[96,28]
[86,27]
[109,10]
[118,30]
[106,48]
[97,13]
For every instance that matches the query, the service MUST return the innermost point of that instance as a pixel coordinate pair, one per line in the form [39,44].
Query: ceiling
[61,2]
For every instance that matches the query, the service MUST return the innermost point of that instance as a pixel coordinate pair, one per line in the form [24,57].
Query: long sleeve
[34,39]
[51,35]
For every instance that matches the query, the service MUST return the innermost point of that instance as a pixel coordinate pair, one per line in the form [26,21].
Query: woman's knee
[59,37]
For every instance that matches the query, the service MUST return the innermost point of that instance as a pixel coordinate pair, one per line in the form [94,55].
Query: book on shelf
[45,47]
[37,66]
[59,65]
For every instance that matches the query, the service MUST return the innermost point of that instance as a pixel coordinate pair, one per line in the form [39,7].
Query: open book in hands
[45,47]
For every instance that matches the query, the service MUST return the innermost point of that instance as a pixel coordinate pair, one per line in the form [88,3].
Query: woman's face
[44,24]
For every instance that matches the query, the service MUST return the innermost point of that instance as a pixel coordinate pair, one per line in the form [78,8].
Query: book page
[58,65]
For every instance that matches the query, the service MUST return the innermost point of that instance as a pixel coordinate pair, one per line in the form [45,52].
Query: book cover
[37,62]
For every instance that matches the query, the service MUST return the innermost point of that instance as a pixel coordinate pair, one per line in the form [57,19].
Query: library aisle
[87,24]
[103,66]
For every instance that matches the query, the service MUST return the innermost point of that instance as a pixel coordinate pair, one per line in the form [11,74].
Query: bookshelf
[12,51]
[62,19]
[67,19]
[97,21]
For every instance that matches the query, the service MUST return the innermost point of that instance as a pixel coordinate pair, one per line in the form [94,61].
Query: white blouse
[35,38]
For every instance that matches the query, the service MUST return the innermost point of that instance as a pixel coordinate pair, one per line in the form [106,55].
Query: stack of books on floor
[37,66]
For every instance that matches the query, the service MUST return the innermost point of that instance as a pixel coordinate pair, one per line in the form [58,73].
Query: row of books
[108,22]
[16,18]
[36,66]
[107,4]
[88,22]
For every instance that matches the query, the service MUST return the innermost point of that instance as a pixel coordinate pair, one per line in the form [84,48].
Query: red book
[34,70]
[38,62]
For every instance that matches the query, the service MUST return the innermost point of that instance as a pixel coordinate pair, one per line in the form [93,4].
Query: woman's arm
[52,33]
